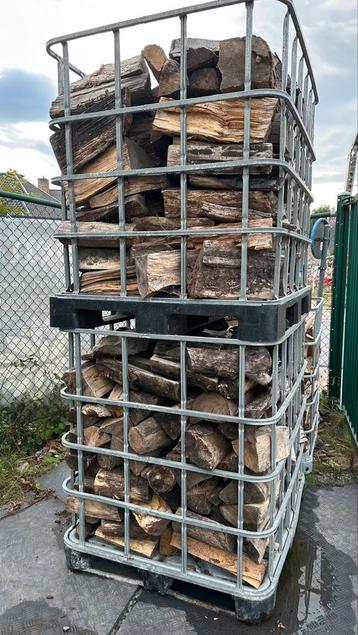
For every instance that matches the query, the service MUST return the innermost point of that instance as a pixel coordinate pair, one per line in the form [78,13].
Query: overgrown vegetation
[11,182]
[336,459]
[29,431]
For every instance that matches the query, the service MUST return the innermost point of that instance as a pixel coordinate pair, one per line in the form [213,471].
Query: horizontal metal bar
[165,15]
[193,413]
[189,520]
[16,196]
[172,233]
[253,93]
[189,169]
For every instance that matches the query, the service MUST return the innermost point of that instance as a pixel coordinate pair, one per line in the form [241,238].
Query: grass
[336,459]
[29,431]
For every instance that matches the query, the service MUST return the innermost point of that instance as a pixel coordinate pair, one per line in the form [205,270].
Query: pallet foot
[155,582]
[254,611]
[77,561]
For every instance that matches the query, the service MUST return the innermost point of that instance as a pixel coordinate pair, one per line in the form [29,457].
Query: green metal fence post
[338,295]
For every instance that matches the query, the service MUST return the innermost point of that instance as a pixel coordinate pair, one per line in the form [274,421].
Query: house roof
[17,183]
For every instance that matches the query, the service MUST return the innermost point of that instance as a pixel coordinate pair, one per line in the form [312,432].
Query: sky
[28,75]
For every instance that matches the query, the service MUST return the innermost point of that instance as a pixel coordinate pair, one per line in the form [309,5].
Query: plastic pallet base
[258,321]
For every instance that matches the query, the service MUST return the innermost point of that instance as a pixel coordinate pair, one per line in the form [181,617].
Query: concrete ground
[39,596]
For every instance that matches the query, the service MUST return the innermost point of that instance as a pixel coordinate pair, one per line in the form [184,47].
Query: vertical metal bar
[183,157]
[125,389]
[246,151]
[241,465]
[120,163]
[183,421]
[274,396]
[69,167]
[79,425]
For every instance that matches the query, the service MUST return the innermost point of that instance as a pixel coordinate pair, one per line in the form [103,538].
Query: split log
[223,361]
[155,58]
[100,411]
[93,509]
[112,425]
[133,157]
[112,528]
[202,496]
[153,525]
[132,186]
[169,80]
[256,515]
[199,52]
[205,445]
[230,462]
[216,273]
[253,492]
[221,121]
[157,272]
[201,152]
[165,548]
[232,64]
[213,403]
[93,383]
[96,91]
[89,228]
[205,81]
[148,436]
[218,539]
[221,206]
[108,462]
[110,483]
[145,547]
[253,573]
[107,282]
[171,369]
[116,393]
[95,437]
[87,420]
[97,259]
[258,447]
[261,183]
[111,345]
[161,478]
[140,379]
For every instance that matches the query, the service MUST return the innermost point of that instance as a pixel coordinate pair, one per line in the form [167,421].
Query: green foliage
[11,182]
[322,209]
[27,423]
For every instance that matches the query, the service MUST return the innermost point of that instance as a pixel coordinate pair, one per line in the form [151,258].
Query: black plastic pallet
[264,321]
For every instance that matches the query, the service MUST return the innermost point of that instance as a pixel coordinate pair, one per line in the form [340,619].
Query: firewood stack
[152,203]
[153,376]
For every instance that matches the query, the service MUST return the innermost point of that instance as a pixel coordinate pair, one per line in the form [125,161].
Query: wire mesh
[32,355]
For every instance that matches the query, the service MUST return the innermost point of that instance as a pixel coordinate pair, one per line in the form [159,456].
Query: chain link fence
[32,355]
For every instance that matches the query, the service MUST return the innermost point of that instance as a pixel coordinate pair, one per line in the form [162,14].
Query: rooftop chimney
[43,184]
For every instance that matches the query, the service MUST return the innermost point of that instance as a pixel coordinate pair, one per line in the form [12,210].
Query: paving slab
[54,478]
[39,592]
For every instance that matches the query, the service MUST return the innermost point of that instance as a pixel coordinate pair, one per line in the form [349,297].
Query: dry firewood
[165,548]
[133,157]
[205,81]
[232,64]
[199,52]
[155,58]
[112,528]
[230,462]
[229,388]
[71,458]
[112,425]
[96,91]
[201,497]
[154,144]
[157,272]
[95,437]
[111,345]
[216,273]
[258,447]
[256,408]
[110,483]
[215,538]
[221,121]
[255,548]
[205,445]
[253,573]
[94,509]
[92,228]
[213,403]
[256,515]
[108,461]
[95,409]
[153,525]
[107,282]
[234,183]
[148,436]
[132,186]
[144,547]
[97,259]
[161,478]
[253,492]
[170,368]
[93,383]
[140,379]
[169,79]
[204,152]
[222,206]
[223,361]
[87,419]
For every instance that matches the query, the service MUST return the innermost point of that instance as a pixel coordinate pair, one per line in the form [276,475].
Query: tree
[11,182]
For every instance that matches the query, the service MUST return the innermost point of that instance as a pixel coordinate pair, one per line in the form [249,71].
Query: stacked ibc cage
[187,334]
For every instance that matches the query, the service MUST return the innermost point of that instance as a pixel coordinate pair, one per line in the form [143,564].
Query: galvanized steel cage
[297,99]
[312,383]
